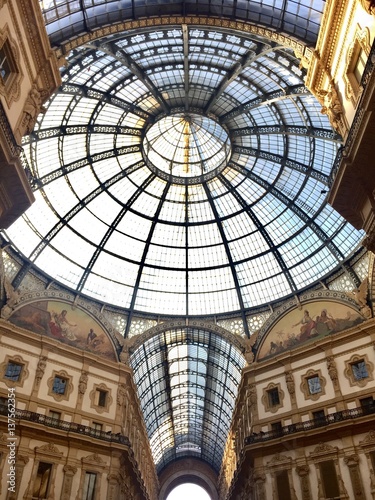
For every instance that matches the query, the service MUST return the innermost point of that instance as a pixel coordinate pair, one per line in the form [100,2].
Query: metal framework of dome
[180,170]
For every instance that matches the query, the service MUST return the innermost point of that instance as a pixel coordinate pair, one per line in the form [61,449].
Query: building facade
[198,354]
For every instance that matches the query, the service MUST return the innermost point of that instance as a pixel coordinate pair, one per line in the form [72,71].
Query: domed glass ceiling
[182,170]
[186,145]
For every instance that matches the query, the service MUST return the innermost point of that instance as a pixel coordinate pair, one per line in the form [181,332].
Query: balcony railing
[66,426]
[315,423]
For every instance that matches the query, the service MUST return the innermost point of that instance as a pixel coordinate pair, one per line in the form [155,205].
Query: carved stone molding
[49,449]
[306,387]
[349,371]
[68,385]
[303,472]
[22,376]
[324,451]
[352,462]
[171,20]
[69,472]
[369,440]
[266,399]
[94,458]
[94,395]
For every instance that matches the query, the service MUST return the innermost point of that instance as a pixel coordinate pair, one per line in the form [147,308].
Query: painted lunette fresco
[315,320]
[69,325]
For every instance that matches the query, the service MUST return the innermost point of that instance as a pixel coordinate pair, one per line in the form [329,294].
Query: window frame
[86,494]
[95,395]
[24,373]
[349,373]
[361,43]
[305,385]
[266,398]
[68,387]
[37,494]
[10,87]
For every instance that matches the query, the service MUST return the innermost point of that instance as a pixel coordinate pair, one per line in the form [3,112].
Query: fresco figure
[325,322]
[91,336]
[66,324]
[60,325]
[308,327]
[320,318]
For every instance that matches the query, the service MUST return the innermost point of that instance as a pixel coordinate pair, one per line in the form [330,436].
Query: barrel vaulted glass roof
[187,380]
[182,169]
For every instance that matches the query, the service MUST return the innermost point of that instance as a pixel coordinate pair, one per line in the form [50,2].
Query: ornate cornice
[158,22]
[326,46]
[134,342]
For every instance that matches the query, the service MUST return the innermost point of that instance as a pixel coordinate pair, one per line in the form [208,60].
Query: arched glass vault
[187,380]
[181,169]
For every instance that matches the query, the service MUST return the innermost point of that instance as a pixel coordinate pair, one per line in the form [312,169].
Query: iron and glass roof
[66,19]
[187,380]
[182,170]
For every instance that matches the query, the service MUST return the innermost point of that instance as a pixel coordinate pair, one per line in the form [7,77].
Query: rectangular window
[59,385]
[101,397]
[3,406]
[282,485]
[55,415]
[329,479]
[89,486]
[277,428]
[13,371]
[313,383]
[359,66]
[367,405]
[273,397]
[97,426]
[359,370]
[319,417]
[42,480]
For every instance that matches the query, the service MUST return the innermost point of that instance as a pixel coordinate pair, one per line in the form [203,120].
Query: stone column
[352,462]
[303,472]
[259,480]
[113,492]
[69,472]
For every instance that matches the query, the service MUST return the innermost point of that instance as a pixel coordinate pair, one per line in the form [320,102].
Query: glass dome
[186,145]
[182,170]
